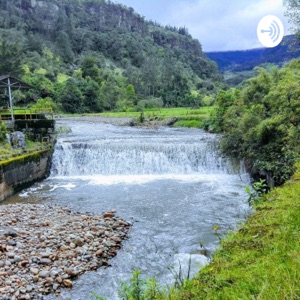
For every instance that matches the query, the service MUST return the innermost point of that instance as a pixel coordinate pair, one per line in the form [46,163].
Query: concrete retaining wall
[22,171]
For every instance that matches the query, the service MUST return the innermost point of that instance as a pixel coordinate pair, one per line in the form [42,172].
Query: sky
[219,25]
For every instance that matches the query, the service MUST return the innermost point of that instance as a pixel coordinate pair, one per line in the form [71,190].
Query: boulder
[17,140]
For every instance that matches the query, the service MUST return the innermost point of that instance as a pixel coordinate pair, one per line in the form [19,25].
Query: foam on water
[103,180]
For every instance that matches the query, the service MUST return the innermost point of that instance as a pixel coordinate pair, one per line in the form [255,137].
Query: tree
[261,122]
[64,47]
[71,97]
[293,12]
[11,57]
[91,97]
[90,68]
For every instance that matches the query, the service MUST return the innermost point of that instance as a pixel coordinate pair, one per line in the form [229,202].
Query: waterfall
[137,157]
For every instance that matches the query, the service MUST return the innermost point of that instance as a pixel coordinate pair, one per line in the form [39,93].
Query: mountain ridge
[245,60]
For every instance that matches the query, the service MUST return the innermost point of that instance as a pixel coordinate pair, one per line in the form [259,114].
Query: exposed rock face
[23,171]
[36,3]
[43,249]
[33,3]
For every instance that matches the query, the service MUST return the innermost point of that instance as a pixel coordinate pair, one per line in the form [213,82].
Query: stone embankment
[44,248]
[24,170]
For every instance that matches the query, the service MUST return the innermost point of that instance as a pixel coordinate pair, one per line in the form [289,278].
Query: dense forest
[261,121]
[95,55]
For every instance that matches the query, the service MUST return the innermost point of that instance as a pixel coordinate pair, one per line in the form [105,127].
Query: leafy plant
[140,289]
[3,131]
[134,289]
[255,193]
[96,296]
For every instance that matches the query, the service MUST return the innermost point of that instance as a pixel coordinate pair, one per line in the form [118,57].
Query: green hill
[238,65]
[245,60]
[104,55]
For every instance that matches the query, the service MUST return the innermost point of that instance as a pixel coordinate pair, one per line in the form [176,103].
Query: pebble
[10,232]
[34,271]
[68,283]
[39,256]
[12,243]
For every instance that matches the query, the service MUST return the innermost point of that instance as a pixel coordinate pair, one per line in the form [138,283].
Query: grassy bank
[262,259]
[6,152]
[188,117]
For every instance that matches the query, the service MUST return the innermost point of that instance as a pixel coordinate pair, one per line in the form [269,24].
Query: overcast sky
[218,24]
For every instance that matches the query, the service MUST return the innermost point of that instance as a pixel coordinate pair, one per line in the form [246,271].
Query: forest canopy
[261,121]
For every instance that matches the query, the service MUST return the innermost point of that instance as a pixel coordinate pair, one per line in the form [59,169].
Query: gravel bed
[44,248]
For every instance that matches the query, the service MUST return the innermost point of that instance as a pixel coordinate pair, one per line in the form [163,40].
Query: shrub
[150,103]
[3,131]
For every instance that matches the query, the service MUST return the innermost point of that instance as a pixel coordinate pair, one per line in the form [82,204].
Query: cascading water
[129,157]
[172,184]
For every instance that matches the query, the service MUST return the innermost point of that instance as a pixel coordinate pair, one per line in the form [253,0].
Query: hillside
[245,60]
[104,55]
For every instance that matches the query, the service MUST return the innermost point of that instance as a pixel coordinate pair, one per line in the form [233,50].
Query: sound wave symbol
[274,31]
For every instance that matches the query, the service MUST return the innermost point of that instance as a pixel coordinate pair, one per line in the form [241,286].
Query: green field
[188,117]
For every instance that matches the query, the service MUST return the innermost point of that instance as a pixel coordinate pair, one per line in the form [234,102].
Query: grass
[188,117]
[6,152]
[162,112]
[259,261]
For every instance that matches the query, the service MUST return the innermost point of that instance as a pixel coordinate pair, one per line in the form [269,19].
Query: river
[171,184]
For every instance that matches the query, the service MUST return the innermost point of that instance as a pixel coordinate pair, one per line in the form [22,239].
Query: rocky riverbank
[148,122]
[44,248]
[99,119]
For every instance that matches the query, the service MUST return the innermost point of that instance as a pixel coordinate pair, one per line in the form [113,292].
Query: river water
[171,184]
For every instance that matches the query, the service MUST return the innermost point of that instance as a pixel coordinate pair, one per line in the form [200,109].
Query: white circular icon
[270,31]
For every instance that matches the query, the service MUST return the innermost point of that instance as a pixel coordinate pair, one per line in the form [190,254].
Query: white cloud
[218,24]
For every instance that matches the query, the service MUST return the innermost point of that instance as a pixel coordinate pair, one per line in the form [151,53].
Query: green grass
[7,153]
[259,261]
[188,117]
[189,123]
[162,112]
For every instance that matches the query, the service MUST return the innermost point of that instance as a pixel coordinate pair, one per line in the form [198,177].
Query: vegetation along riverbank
[260,260]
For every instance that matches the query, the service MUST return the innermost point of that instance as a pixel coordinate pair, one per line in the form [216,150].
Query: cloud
[217,24]
[224,25]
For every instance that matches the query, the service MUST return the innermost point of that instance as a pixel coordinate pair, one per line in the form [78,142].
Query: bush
[45,105]
[3,131]
[150,103]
